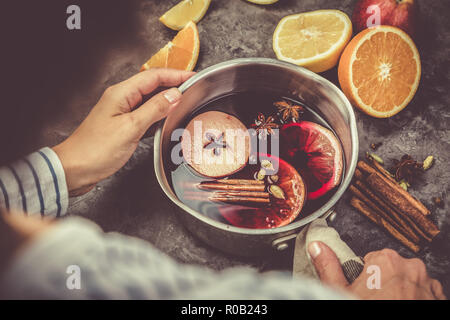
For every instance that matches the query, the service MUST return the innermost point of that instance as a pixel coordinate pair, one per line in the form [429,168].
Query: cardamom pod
[428,162]
[273,178]
[266,164]
[404,185]
[374,157]
[277,192]
[261,174]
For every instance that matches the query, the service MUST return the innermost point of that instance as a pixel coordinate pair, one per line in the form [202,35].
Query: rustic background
[51,78]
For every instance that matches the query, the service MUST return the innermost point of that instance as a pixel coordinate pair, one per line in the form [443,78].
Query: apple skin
[398,13]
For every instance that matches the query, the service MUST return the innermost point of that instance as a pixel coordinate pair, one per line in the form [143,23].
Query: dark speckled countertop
[117,38]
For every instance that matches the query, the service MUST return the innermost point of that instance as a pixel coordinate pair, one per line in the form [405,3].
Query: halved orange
[180,53]
[314,40]
[379,71]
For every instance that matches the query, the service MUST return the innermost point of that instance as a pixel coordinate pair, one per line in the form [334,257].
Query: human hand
[109,135]
[400,278]
[17,230]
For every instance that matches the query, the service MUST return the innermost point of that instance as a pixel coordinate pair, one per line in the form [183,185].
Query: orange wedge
[180,53]
[186,10]
[379,71]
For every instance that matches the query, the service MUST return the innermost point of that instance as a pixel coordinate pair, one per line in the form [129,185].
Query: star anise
[264,126]
[215,143]
[407,169]
[289,111]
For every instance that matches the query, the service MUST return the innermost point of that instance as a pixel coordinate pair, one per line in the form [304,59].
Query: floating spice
[264,126]
[215,143]
[273,179]
[277,192]
[266,164]
[261,174]
[289,111]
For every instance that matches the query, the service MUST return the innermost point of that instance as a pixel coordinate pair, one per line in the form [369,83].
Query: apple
[398,13]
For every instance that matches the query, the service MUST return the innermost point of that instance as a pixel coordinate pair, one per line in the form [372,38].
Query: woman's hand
[16,231]
[399,278]
[109,135]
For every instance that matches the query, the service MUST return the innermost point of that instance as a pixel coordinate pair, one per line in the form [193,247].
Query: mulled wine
[289,164]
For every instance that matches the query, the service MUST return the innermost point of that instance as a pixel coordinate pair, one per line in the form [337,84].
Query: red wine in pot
[246,106]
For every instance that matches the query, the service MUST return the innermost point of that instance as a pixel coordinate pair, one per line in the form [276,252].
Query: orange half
[180,53]
[379,71]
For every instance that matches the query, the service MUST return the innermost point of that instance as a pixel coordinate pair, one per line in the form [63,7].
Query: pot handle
[283,243]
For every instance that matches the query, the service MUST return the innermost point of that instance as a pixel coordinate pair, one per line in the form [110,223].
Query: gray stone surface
[132,202]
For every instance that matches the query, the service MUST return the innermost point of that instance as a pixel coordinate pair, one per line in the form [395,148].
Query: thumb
[327,264]
[157,108]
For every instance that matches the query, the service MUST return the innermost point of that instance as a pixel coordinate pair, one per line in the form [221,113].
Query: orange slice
[314,40]
[180,53]
[379,71]
[187,10]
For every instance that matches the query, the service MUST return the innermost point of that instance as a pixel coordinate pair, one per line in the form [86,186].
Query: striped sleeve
[35,184]
[114,266]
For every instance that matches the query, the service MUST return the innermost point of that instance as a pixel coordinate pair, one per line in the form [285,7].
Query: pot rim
[328,206]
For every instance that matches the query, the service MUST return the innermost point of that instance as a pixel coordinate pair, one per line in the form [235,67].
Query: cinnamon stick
[239,199]
[399,216]
[358,174]
[382,213]
[365,167]
[241,181]
[402,200]
[256,194]
[369,213]
[382,170]
[395,189]
[373,167]
[225,187]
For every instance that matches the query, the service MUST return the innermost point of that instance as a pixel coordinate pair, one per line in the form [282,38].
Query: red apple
[397,13]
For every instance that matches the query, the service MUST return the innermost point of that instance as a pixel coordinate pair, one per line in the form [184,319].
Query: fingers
[81,191]
[147,81]
[156,108]
[410,275]
[387,260]
[327,264]
[417,270]
[436,289]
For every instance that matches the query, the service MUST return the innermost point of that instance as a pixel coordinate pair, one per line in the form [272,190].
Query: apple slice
[216,144]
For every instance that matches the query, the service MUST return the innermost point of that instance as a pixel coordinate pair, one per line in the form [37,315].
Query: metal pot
[277,77]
